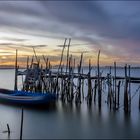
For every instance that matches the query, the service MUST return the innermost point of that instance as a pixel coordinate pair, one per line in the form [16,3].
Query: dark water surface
[68,120]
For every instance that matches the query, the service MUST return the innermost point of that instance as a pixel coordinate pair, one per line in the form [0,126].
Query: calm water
[68,120]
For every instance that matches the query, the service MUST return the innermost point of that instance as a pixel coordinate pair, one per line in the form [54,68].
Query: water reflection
[68,120]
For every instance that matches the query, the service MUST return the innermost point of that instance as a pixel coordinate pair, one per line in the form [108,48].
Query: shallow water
[68,120]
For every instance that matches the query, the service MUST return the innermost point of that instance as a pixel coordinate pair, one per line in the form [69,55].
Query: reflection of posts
[21,127]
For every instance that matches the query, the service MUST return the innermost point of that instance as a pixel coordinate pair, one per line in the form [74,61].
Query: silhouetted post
[115,85]
[16,70]
[46,61]
[139,100]
[68,54]
[73,64]
[126,91]
[62,84]
[8,129]
[108,96]
[21,126]
[56,84]
[61,59]
[95,88]
[119,83]
[110,91]
[129,72]
[78,95]
[71,81]
[99,86]
[27,65]
[32,60]
[82,86]
[89,84]
[35,55]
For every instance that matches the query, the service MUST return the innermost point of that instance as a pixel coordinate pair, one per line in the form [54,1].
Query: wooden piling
[110,91]
[35,55]
[82,86]
[118,99]
[8,128]
[99,84]
[21,126]
[109,88]
[72,84]
[45,80]
[16,71]
[126,91]
[68,54]
[139,99]
[95,89]
[61,59]
[129,86]
[89,97]
[78,95]
[69,80]
[62,85]
[115,86]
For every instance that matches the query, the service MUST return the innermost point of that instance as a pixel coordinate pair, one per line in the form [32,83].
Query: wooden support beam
[16,70]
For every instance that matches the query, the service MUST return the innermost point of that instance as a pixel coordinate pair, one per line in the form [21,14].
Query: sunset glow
[94,24]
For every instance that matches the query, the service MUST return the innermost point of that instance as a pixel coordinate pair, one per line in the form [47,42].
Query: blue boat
[26,98]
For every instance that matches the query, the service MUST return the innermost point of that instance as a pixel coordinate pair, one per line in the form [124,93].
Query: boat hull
[26,98]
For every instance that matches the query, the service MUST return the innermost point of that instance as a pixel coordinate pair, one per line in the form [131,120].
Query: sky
[110,26]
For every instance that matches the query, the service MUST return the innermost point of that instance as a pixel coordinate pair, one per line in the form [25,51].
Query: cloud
[110,26]
[13,39]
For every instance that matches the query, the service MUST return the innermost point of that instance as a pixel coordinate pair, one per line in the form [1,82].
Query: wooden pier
[68,81]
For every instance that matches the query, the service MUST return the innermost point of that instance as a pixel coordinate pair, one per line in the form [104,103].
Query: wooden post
[73,64]
[115,85]
[62,84]
[49,65]
[68,55]
[99,86]
[35,55]
[46,61]
[118,102]
[89,85]
[62,54]
[8,128]
[78,96]
[82,86]
[126,91]
[110,92]
[95,88]
[139,99]
[72,75]
[108,96]
[27,66]
[56,84]
[129,86]
[16,70]
[21,126]
[69,80]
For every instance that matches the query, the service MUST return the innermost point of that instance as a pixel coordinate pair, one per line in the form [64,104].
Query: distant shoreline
[83,67]
[120,67]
